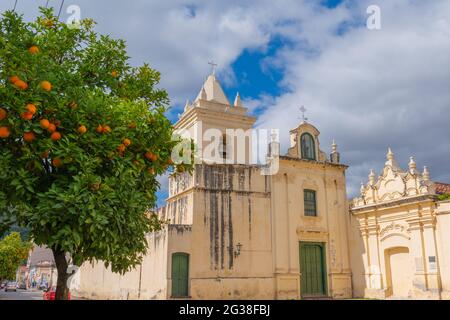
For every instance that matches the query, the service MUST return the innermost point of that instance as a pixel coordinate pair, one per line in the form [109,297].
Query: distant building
[41,268]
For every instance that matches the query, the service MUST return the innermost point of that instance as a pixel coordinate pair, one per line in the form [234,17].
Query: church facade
[236,230]
[400,235]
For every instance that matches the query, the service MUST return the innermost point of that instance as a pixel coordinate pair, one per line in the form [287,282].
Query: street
[21,295]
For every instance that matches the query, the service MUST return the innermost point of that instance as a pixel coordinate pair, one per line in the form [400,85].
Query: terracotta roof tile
[442,188]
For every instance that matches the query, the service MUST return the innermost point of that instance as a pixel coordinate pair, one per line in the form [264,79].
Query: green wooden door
[313,269]
[180,274]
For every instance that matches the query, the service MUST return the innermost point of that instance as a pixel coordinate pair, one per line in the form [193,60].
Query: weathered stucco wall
[231,207]
[94,281]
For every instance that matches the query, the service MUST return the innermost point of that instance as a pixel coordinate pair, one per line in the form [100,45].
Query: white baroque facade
[399,241]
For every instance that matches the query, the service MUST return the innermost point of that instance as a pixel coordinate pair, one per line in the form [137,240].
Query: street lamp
[237,252]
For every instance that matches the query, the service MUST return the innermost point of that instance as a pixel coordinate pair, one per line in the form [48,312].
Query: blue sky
[331,3]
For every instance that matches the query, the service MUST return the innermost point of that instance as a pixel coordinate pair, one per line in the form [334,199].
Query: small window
[308,147]
[309,197]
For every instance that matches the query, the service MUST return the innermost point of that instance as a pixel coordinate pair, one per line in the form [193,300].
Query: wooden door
[313,269]
[180,275]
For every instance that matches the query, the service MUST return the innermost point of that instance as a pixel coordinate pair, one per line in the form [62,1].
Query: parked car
[11,286]
[22,286]
[43,286]
[49,294]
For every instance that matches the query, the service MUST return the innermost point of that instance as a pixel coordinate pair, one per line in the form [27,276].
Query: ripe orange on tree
[4,132]
[106,129]
[45,154]
[31,108]
[26,115]
[34,49]
[126,142]
[82,129]
[3,114]
[114,74]
[46,85]
[29,136]
[57,162]
[99,129]
[44,123]
[51,128]
[21,85]
[14,79]
[55,136]
[148,155]
[121,148]
[151,156]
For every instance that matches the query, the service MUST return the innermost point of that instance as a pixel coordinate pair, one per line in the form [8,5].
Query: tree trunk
[61,265]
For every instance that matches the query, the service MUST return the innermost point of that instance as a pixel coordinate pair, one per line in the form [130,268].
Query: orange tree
[83,136]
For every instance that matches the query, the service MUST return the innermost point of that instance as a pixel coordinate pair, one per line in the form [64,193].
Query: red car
[50,294]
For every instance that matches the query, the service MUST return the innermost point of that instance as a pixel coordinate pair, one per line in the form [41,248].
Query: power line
[60,8]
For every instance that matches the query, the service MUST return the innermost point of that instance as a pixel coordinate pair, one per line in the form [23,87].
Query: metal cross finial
[213,65]
[303,110]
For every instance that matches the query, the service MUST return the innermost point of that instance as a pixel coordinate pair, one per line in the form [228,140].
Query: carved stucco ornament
[394,183]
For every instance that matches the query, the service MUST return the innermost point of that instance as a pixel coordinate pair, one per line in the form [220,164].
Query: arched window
[308,147]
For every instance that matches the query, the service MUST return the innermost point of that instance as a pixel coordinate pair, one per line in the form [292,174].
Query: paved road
[21,295]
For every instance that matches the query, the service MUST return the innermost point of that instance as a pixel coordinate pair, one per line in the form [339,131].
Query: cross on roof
[213,65]
[303,110]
